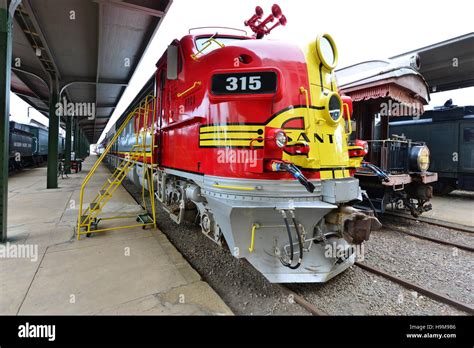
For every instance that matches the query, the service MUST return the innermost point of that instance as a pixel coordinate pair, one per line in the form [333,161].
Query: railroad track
[422,290]
[439,223]
[311,308]
[302,301]
[432,239]
[405,283]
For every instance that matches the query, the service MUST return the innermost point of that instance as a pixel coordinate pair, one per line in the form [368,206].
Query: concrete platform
[131,271]
[455,208]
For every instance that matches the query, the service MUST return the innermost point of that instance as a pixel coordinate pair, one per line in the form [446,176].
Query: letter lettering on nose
[304,136]
[319,138]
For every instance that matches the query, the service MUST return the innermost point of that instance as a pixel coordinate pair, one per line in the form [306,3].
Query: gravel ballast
[354,292]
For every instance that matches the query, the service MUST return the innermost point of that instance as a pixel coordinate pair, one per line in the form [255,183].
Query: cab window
[468,135]
[210,43]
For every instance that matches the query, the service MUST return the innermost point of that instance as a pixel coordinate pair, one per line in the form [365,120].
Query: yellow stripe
[223,128]
[241,188]
[230,143]
[326,174]
[225,135]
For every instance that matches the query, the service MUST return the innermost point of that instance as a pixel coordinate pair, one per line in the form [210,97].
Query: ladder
[89,218]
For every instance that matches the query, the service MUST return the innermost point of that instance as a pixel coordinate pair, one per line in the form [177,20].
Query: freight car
[449,133]
[29,145]
[20,146]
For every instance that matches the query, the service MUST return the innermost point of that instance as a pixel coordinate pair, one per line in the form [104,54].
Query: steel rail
[432,239]
[440,223]
[302,301]
[429,293]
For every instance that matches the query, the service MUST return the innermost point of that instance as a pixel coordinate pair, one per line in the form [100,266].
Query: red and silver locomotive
[249,137]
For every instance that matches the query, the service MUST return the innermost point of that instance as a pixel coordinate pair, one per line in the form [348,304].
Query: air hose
[300,242]
[379,172]
[297,174]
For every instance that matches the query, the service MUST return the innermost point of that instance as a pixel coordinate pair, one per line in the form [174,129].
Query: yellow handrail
[307,118]
[346,108]
[207,44]
[241,188]
[99,161]
[195,85]
[252,240]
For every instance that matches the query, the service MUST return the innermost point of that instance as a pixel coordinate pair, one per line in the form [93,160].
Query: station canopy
[448,64]
[91,47]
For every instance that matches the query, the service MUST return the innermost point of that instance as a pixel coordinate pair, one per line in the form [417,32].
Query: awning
[389,92]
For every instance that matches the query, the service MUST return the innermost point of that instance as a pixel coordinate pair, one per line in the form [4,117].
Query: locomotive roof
[449,112]
[440,114]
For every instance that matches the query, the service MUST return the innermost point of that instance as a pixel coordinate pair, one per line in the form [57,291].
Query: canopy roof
[90,47]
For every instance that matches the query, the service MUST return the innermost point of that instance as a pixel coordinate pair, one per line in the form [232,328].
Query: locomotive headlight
[280,139]
[419,158]
[327,51]
[332,107]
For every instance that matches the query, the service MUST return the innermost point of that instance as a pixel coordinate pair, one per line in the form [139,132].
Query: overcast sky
[363,30]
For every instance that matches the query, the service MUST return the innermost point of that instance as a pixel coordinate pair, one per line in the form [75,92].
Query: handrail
[307,118]
[208,43]
[346,109]
[252,238]
[183,123]
[99,161]
[195,85]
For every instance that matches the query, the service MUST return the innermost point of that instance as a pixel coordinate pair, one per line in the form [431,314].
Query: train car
[20,146]
[393,171]
[449,133]
[249,138]
[40,143]
[29,145]
[61,146]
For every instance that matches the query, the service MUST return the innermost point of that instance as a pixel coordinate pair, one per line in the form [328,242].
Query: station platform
[455,208]
[134,271]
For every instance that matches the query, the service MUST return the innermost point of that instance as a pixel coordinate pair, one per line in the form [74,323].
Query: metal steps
[88,219]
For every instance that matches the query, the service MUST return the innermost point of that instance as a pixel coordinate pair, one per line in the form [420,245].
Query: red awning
[388,91]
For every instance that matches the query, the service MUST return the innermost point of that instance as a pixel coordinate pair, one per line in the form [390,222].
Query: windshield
[210,43]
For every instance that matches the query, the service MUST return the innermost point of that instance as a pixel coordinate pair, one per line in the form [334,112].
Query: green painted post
[79,144]
[67,147]
[6,33]
[53,137]
[76,136]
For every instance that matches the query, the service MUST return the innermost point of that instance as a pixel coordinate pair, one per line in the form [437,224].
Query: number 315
[246,82]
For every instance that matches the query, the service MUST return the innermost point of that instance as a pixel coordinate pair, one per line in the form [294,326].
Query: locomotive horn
[276,11]
[258,14]
[282,21]
[267,20]
[259,27]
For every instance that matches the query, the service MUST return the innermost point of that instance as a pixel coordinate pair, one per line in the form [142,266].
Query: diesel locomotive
[248,137]
[449,133]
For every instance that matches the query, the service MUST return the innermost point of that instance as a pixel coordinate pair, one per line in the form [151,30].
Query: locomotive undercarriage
[402,192]
[255,219]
